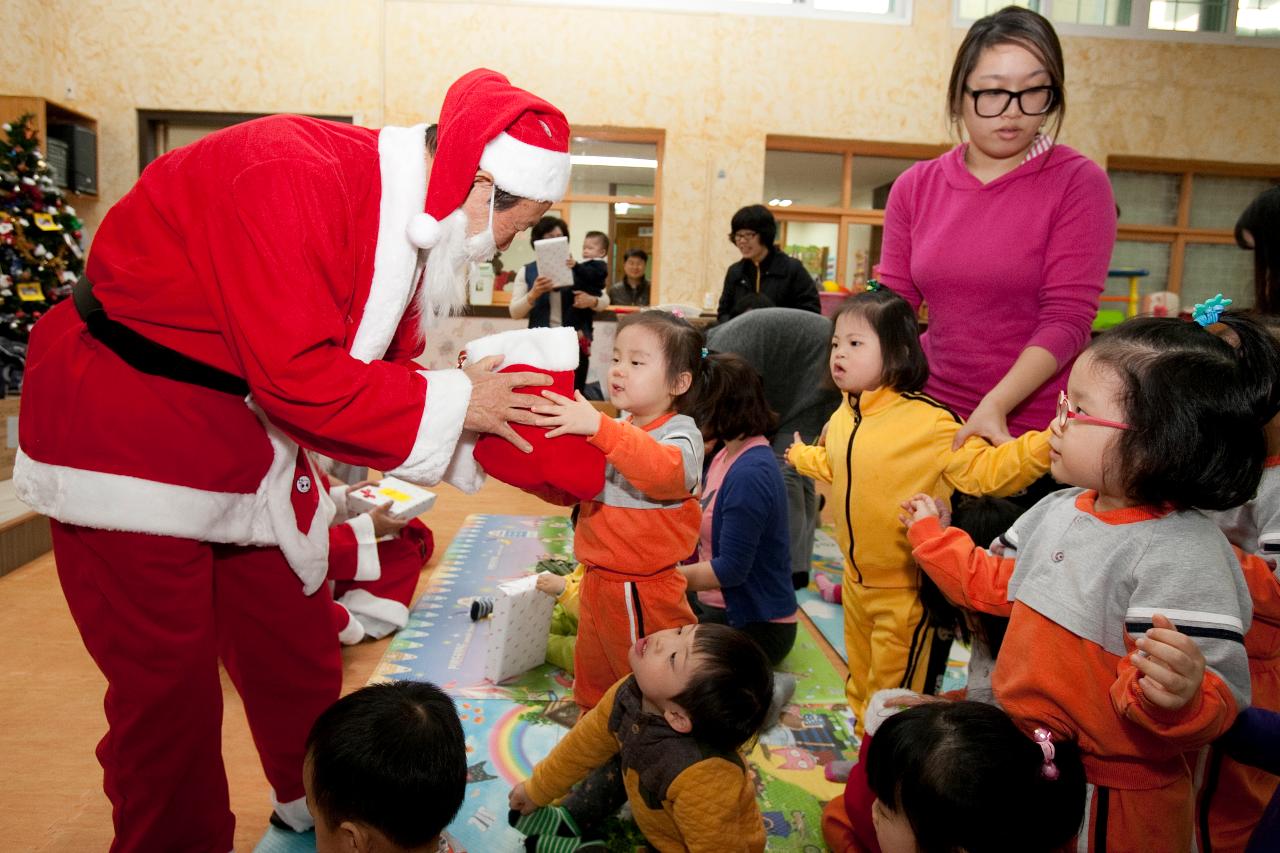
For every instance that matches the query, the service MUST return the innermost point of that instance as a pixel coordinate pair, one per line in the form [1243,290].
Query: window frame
[1138,27]
[801,9]
[845,214]
[645,135]
[1182,234]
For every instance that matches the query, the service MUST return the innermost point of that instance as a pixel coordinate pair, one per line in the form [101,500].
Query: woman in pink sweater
[1007,237]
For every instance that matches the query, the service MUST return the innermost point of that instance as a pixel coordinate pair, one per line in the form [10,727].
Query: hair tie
[1044,739]
[1207,313]
[873,285]
[704,352]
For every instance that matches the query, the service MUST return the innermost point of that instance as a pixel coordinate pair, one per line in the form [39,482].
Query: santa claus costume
[250,294]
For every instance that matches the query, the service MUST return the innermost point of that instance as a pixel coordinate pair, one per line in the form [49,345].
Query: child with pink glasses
[1127,606]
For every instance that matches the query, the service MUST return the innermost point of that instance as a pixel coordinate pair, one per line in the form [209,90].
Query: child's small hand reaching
[1171,664]
[519,800]
[918,508]
[569,417]
[551,584]
[384,523]
[796,443]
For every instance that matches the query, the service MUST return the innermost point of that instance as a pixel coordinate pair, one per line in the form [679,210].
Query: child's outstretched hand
[569,417]
[918,508]
[552,585]
[1171,664]
[384,523]
[519,800]
[796,442]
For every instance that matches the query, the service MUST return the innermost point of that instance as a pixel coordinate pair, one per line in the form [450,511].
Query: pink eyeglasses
[1065,414]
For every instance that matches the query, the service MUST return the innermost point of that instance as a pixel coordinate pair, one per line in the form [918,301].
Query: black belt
[144,354]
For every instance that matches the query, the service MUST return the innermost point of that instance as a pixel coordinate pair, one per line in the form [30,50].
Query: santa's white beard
[450,265]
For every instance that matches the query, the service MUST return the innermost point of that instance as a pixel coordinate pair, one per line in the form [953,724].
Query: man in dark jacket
[765,274]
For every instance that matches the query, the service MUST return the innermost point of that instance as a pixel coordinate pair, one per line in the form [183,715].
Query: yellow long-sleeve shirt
[882,448]
[684,797]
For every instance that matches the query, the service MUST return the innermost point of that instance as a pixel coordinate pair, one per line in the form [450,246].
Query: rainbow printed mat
[510,727]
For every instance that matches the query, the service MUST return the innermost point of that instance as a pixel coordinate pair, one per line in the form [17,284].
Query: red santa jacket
[276,251]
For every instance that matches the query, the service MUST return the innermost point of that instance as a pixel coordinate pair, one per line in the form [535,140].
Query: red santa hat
[486,123]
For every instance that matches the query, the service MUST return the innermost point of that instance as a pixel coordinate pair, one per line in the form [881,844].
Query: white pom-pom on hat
[424,230]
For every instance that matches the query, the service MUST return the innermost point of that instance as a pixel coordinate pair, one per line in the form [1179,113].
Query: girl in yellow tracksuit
[886,442]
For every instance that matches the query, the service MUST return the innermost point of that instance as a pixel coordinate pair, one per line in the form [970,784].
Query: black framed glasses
[741,235]
[990,103]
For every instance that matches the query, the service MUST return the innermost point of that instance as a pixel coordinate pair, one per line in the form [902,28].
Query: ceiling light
[623,162]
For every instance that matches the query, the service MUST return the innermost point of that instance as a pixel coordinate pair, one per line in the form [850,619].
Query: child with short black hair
[386,769]
[696,695]
[885,435]
[1157,422]
[943,776]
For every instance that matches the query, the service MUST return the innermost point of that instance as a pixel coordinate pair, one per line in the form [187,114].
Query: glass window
[865,7]
[1205,16]
[613,168]
[1217,202]
[1098,12]
[1258,18]
[1217,268]
[972,10]
[863,253]
[802,177]
[1134,254]
[815,244]
[872,177]
[1146,198]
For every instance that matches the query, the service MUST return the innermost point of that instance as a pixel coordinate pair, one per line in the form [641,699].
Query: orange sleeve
[1201,721]
[968,575]
[588,745]
[1264,587]
[654,468]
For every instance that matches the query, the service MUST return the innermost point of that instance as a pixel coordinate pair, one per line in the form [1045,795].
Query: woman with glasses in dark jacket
[766,276]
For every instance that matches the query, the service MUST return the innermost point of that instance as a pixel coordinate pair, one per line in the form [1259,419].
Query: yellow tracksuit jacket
[882,448]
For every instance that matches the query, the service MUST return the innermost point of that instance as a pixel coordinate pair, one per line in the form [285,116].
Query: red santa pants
[156,613]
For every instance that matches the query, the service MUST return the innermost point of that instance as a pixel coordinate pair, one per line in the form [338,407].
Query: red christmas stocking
[561,470]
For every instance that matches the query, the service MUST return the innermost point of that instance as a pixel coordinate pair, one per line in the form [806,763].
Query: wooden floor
[51,705]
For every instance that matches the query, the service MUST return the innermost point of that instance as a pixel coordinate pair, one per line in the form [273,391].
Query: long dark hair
[1262,220]
[1011,25]
[1195,439]
[943,765]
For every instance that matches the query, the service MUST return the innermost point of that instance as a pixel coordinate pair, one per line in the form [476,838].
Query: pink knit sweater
[1020,261]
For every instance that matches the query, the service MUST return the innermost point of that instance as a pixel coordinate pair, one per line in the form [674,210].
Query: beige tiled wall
[717,84]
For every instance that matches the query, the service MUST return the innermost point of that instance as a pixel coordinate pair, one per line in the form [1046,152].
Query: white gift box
[518,629]
[405,499]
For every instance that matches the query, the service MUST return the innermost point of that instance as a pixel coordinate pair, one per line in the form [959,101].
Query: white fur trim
[548,349]
[464,472]
[378,616]
[338,494]
[120,502]
[353,631]
[368,566]
[877,711]
[403,166]
[526,170]
[448,395]
[424,230]
[295,812]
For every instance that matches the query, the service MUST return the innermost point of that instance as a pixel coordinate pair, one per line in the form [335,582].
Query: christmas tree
[40,251]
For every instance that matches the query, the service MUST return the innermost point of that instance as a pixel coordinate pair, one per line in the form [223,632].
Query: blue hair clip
[1207,313]
[704,352]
